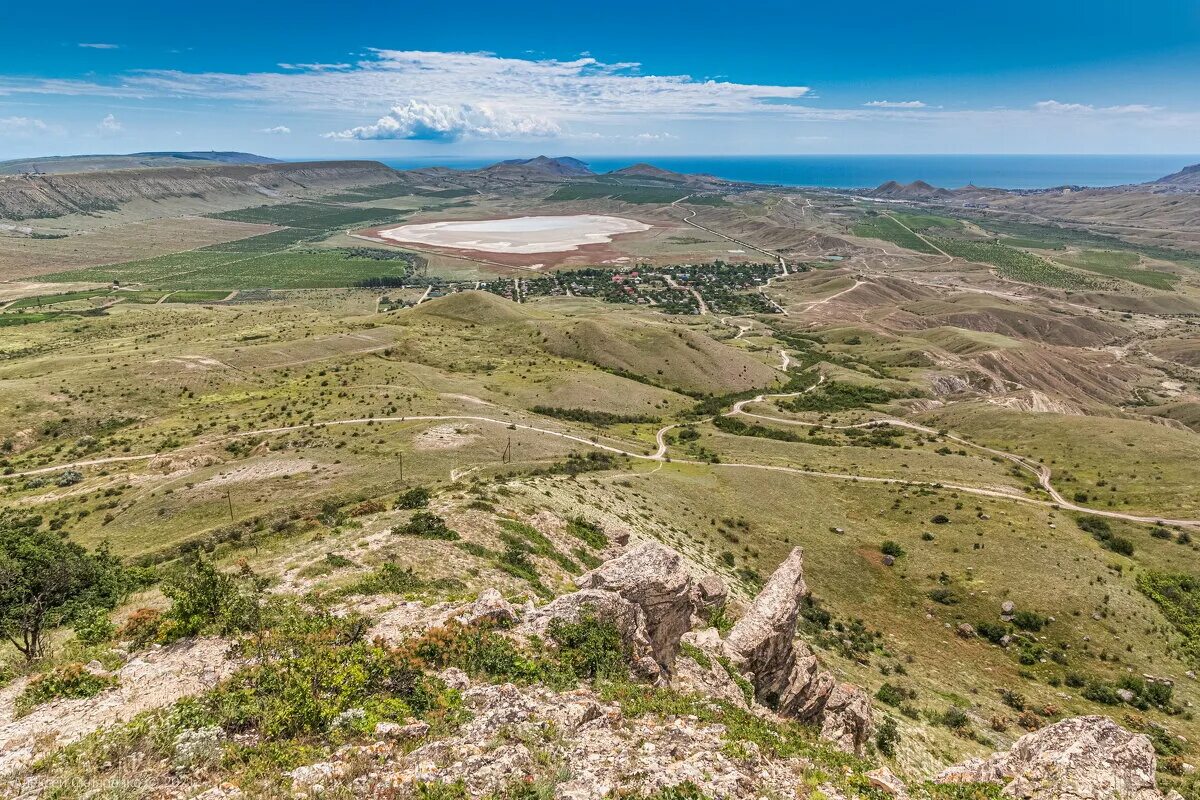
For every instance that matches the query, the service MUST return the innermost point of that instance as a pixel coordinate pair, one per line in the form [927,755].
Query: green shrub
[589,532]
[887,736]
[425,525]
[67,681]
[206,600]
[92,626]
[416,497]
[954,718]
[1177,595]
[310,667]
[944,595]
[1029,621]
[894,695]
[891,548]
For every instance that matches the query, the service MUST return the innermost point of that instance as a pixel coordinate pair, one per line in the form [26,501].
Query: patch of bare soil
[263,470]
[445,437]
[147,681]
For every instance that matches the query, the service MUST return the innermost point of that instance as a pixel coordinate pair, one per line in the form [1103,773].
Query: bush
[47,580]
[939,519]
[992,631]
[141,628]
[891,548]
[308,669]
[425,525]
[92,626]
[894,695]
[1029,621]
[206,600]
[589,532]
[416,497]
[887,736]
[67,681]
[589,648]
[954,718]
[944,595]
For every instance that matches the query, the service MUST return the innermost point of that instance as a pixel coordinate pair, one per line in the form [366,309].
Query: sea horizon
[1027,171]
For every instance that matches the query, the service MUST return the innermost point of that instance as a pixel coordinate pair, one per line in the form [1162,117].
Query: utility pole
[229,500]
[402,467]
[506,458]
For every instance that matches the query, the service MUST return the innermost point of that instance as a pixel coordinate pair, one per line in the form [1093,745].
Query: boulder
[966,630]
[1083,758]
[885,781]
[655,579]
[628,618]
[709,593]
[490,608]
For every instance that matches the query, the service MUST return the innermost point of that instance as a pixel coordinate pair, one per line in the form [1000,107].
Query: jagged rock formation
[1082,758]
[654,578]
[785,672]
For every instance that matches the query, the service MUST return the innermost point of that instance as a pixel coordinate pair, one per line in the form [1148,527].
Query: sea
[867,171]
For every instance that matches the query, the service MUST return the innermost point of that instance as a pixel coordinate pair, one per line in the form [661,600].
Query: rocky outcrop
[514,732]
[655,579]
[784,671]
[1082,758]
[611,607]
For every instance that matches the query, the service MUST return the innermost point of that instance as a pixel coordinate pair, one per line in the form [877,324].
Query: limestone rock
[699,670]
[761,641]
[628,618]
[885,781]
[785,673]
[489,609]
[1083,758]
[846,717]
[656,580]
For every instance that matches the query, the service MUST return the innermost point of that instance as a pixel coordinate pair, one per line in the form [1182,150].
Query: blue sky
[461,79]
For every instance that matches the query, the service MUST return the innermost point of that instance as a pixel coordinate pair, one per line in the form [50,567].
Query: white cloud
[99,45]
[895,104]
[22,127]
[1055,107]
[580,88]
[110,124]
[446,123]
[654,137]
[278,130]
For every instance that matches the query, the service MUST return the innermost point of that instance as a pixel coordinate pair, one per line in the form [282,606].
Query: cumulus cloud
[895,104]
[99,45]
[278,130]
[450,123]
[110,124]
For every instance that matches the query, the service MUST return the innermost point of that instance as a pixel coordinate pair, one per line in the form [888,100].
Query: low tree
[45,580]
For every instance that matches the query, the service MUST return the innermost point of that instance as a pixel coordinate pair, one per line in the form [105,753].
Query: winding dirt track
[661,454]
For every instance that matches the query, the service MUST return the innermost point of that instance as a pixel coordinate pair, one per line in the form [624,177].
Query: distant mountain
[109,162]
[541,166]
[644,170]
[917,190]
[1187,179]
[196,187]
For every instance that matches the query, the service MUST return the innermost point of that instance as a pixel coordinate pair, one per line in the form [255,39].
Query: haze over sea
[858,171]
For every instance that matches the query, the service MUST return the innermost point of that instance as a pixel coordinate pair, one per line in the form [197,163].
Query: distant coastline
[868,171]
